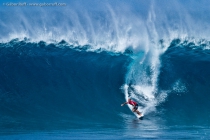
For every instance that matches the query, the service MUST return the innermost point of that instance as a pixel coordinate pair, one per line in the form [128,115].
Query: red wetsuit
[132,103]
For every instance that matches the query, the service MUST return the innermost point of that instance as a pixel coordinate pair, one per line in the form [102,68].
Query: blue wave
[60,86]
[43,83]
[185,72]
[69,68]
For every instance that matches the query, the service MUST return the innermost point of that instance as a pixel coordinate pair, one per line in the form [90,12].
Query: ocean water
[65,70]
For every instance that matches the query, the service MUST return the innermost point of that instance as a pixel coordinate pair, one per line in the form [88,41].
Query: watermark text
[43,4]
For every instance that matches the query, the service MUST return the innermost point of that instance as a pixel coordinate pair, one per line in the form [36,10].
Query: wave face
[185,75]
[61,86]
[58,84]
[71,68]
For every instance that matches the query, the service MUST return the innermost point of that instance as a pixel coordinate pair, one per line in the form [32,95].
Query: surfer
[134,104]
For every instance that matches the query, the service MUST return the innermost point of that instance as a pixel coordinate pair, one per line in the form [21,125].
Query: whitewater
[65,71]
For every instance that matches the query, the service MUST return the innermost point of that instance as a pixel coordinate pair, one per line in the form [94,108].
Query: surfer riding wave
[134,104]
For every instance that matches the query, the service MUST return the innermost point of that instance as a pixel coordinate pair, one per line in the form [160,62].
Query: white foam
[144,71]
[179,86]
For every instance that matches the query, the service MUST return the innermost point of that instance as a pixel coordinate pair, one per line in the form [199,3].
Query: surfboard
[141,117]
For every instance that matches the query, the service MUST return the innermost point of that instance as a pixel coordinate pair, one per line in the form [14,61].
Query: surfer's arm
[124,103]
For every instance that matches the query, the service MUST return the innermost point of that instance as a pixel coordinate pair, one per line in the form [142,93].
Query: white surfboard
[141,117]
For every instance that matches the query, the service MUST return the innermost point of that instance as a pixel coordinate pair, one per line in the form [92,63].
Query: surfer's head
[129,98]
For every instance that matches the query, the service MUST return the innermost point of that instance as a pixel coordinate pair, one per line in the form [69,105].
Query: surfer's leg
[135,110]
[138,112]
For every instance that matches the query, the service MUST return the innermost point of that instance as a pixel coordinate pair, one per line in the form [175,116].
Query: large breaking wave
[44,83]
[75,65]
